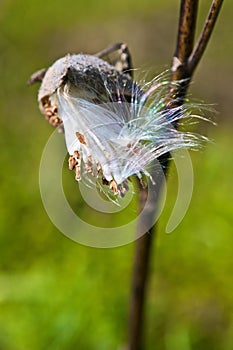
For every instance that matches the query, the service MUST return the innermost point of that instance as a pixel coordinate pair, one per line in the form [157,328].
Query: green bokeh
[56,294]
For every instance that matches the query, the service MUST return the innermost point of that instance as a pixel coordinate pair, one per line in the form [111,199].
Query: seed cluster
[90,167]
[51,112]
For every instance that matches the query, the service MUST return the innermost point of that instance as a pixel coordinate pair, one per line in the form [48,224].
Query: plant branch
[184,62]
[140,277]
[143,247]
[205,35]
[184,46]
[185,39]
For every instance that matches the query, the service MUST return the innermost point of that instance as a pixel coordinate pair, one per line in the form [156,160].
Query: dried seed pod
[110,133]
[88,77]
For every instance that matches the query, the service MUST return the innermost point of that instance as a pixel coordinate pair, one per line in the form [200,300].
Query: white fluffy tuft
[115,140]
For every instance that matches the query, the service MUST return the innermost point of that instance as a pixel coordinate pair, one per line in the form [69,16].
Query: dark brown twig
[141,262]
[140,274]
[185,39]
[184,63]
[205,35]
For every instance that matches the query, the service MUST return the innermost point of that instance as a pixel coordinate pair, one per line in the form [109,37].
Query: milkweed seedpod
[110,131]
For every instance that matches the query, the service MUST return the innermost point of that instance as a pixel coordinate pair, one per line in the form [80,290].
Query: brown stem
[184,62]
[184,47]
[185,38]
[141,260]
[205,35]
[140,275]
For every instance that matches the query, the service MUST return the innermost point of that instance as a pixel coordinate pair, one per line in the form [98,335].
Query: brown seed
[81,138]
[98,167]
[72,162]
[45,102]
[113,186]
[77,173]
[48,113]
[88,169]
[55,121]
[76,155]
[90,161]
[89,166]
[54,109]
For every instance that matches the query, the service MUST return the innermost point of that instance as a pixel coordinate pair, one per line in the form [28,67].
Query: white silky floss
[120,139]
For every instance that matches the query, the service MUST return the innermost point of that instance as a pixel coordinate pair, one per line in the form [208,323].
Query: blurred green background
[57,294]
